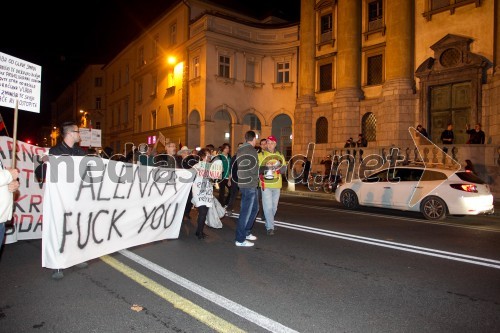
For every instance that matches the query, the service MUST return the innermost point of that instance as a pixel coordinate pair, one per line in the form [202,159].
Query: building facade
[203,75]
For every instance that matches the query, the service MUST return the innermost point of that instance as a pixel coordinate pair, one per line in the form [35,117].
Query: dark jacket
[446,136]
[248,166]
[60,149]
[476,137]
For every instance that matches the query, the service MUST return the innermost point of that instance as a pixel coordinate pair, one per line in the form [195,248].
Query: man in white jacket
[8,185]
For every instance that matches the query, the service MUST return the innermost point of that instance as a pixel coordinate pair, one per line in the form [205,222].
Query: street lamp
[86,121]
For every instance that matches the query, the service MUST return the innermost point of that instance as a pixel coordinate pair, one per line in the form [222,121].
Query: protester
[422,131]
[362,142]
[476,135]
[68,146]
[187,162]
[260,151]
[327,162]
[271,164]
[447,136]
[350,143]
[202,191]
[8,185]
[145,155]
[248,181]
[225,158]
[233,182]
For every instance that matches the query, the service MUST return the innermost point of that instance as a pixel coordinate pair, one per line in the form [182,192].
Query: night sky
[64,37]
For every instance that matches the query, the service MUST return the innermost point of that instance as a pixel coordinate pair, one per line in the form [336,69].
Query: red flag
[2,124]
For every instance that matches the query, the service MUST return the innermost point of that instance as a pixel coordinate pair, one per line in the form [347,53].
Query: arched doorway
[282,130]
[222,128]
[193,133]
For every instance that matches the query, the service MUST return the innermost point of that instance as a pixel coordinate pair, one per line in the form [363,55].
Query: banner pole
[14,136]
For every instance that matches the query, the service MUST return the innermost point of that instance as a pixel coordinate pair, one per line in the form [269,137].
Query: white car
[432,191]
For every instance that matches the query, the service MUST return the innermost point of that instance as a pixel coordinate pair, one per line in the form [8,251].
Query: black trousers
[233,193]
[189,205]
[202,216]
[222,192]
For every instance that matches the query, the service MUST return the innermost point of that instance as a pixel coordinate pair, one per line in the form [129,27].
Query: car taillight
[465,187]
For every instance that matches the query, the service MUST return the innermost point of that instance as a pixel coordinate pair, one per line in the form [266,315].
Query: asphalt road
[325,270]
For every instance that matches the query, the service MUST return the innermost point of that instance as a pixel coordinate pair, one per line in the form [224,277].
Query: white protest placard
[28,204]
[20,80]
[115,206]
[90,137]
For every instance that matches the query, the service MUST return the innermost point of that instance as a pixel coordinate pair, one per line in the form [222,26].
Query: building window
[139,92]
[326,27]
[125,111]
[154,85]
[374,70]
[196,67]
[156,41]
[224,66]
[250,75]
[153,119]
[98,103]
[173,33]
[98,82]
[139,123]
[322,130]
[119,79]
[283,72]
[127,73]
[375,15]
[117,115]
[113,82]
[369,126]
[171,114]
[97,125]
[140,57]
[325,77]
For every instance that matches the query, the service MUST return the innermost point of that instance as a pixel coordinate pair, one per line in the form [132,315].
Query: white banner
[28,207]
[112,206]
[20,80]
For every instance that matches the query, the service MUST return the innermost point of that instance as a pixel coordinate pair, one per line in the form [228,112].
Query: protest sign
[94,207]
[20,80]
[28,204]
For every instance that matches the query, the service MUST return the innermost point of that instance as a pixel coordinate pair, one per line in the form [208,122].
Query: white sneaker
[251,237]
[244,243]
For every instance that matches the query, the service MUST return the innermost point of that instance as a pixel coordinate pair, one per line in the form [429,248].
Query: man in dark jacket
[68,146]
[248,181]
[476,135]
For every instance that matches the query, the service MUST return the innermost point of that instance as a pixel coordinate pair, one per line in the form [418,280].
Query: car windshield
[469,177]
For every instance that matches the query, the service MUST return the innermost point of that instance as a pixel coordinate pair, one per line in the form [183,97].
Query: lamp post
[86,121]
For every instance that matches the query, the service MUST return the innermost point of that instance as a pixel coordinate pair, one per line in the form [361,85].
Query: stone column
[399,101]
[349,47]
[346,105]
[399,46]
[306,100]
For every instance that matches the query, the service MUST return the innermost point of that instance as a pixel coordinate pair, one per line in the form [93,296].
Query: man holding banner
[68,146]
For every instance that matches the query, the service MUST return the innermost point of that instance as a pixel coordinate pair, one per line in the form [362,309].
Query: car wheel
[349,199]
[433,208]
[328,187]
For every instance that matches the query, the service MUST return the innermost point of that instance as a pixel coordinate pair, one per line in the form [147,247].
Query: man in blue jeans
[248,181]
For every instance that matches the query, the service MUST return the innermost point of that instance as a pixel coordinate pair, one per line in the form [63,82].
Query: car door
[404,184]
[375,190]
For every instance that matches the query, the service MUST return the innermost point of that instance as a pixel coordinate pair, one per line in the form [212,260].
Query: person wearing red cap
[272,164]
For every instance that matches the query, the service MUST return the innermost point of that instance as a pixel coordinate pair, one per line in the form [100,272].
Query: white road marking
[392,217]
[392,245]
[221,301]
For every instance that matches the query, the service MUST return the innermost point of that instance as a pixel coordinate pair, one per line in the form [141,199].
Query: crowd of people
[254,171]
